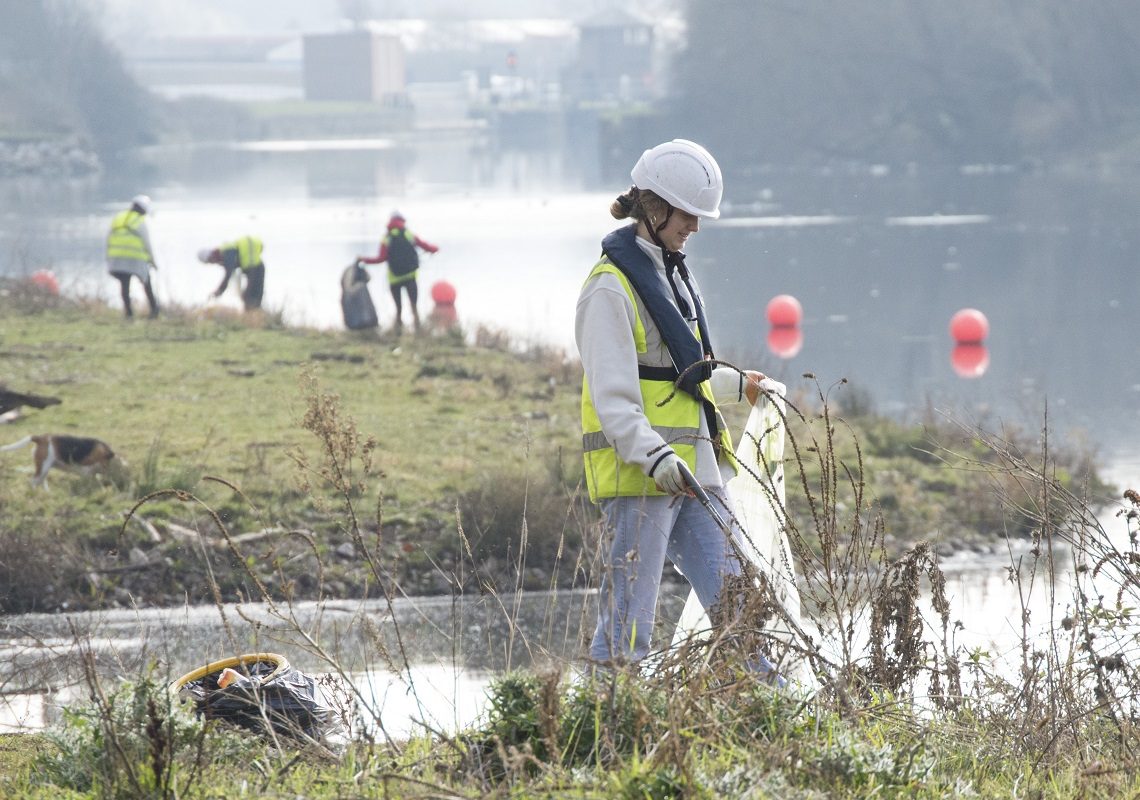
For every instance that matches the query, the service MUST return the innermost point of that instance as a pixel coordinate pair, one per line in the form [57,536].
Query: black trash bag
[355,300]
[288,702]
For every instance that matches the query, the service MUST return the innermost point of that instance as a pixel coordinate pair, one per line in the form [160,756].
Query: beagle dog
[76,453]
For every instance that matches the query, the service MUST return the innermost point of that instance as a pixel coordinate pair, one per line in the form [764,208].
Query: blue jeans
[646,531]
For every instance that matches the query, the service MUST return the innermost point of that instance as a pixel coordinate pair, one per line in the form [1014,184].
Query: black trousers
[124,279]
[413,296]
[254,287]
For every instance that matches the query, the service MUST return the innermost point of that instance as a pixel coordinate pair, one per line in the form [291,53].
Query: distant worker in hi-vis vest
[650,396]
[399,249]
[129,254]
[242,255]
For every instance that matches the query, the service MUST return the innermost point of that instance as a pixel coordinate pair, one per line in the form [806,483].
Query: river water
[879,256]
[424,664]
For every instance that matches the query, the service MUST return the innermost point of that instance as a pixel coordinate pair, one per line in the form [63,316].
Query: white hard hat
[142,201]
[204,254]
[683,174]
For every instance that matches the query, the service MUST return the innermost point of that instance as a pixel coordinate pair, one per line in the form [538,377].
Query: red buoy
[443,293]
[785,340]
[784,310]
[970,360]
[45,280]
[969,326]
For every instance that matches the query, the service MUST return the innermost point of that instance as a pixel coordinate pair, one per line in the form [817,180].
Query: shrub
[512,518]
[134,742]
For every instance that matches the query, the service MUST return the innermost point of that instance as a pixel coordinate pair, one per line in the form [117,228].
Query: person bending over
[242,254]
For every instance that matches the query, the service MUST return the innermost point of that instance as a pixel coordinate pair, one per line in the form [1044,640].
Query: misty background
[892,80]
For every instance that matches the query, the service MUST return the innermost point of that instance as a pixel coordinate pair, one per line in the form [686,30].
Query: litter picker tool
[704,499]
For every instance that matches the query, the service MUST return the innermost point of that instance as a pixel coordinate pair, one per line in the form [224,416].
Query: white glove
[667,475]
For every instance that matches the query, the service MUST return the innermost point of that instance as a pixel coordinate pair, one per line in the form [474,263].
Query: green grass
[544,738]
[182,397]
[229,397]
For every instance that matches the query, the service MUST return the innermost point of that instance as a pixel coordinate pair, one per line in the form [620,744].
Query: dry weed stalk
[873,641]
[869,638]
[1083,670]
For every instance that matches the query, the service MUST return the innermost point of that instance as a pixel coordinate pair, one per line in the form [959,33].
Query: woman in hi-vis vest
[640,326]
[129,254]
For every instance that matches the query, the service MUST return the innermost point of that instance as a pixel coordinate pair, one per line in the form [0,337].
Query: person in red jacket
[400,248]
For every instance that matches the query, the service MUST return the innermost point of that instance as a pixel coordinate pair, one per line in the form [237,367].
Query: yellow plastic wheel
[280,661]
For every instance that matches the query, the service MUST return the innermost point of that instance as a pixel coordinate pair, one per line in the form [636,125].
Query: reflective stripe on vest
[124,241]
[248,250]
[677,420]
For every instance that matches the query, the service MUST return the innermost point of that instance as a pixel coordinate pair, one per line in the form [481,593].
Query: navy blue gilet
[684,347]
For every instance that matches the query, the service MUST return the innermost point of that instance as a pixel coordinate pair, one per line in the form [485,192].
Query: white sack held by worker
[759,507]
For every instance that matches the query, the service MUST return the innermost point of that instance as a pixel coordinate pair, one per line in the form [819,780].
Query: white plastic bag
[759,509]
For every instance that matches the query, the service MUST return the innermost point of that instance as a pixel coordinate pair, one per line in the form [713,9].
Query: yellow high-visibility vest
[124,241]
[248,250]
[678,421]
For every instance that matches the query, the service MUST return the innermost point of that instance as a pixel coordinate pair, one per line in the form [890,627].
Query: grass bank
[293,443]
[209,415]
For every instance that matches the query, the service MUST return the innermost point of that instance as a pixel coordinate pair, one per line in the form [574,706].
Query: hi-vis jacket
[128,244]
[244,254]
[247,250]
[682,422]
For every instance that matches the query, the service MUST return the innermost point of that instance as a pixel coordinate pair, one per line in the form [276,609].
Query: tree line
[59,78]
[902,80]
